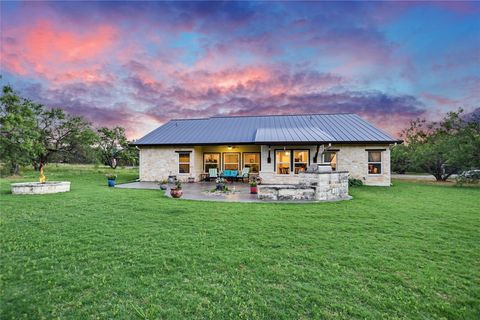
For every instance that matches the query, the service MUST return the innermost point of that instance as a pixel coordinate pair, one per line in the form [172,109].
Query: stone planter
[176,193]
[163,186]
[220,186]
[40,188]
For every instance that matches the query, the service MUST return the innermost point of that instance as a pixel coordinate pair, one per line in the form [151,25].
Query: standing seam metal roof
[321,128]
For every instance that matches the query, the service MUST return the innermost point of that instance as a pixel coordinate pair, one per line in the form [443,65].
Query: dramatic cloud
[139,64]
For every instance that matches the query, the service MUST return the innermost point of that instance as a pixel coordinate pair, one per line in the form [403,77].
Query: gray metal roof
[324,128]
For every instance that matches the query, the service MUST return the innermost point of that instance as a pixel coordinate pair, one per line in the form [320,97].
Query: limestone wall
[157,163]
[354,159]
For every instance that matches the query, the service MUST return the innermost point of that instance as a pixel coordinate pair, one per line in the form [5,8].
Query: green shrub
[468,177]
[355,182]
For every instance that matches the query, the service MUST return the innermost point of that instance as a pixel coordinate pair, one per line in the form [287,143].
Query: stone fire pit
[40,188]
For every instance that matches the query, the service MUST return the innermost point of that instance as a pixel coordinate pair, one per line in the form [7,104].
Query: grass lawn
[411,251]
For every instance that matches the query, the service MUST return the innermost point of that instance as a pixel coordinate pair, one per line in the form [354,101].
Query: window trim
[292,163]
[275,162]
[336,155]
[259,160]
[292,153]
[180,153]
[375,162]
[239,160]
[219,164]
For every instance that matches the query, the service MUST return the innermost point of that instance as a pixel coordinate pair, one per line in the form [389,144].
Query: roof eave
[267,143]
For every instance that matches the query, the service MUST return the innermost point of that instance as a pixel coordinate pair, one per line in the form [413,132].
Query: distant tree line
[31,133]
[440,148]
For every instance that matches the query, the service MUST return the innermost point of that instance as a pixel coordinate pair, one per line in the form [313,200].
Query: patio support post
[315,157]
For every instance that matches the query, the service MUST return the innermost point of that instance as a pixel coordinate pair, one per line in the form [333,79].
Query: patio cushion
[212,173]
[230,173]
[245,172]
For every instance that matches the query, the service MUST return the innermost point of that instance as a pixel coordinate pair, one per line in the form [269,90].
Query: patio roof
[314,128]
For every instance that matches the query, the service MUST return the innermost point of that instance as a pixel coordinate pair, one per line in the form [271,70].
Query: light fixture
[229,147]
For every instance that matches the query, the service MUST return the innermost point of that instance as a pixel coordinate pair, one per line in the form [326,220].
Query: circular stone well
[40,188]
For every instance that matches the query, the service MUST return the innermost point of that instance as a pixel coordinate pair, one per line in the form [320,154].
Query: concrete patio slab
[200,191]
[239,192]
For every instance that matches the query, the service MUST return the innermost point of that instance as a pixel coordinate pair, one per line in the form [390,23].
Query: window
[211,161]
[231,161]
[374,162]
[252,161]
[282,161]
[330,157]
[300,161]
[184,162]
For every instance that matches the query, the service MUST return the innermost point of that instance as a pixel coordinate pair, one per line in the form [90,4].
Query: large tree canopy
[30,133]
[440,148]
[19,137]
[113,146]
[62,134]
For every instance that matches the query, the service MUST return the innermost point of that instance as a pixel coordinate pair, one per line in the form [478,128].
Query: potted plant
[111,177]
[164,184]
[220,184]
[253,187]
[176,192]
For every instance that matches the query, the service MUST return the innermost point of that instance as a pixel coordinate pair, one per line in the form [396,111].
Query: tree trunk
[14,168]
[113,163]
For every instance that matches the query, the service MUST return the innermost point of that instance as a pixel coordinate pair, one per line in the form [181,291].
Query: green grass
[407,252]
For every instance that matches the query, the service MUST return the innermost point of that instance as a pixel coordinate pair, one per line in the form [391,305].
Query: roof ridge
[266,115]
[283,115]
[184,119]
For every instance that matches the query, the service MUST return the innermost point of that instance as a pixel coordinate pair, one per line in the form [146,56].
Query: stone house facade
[158,162]
[277,154]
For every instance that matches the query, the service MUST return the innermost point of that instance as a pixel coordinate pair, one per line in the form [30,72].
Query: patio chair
[244,175]
[212,174]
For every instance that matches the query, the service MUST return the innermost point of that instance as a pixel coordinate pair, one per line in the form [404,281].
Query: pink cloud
[443,101]
[47,49]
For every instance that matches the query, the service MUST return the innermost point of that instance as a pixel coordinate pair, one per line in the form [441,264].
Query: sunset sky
[139,65]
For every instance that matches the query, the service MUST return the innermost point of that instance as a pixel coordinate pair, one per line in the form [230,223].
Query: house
[277,148]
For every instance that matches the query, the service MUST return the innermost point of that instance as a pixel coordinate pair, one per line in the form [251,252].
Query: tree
[443,148]
[400,159]
[18,130]
[61,135]
[113,147]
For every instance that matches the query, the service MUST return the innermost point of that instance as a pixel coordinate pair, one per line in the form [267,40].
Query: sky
[140,64]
